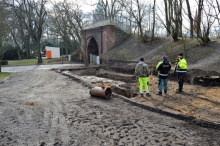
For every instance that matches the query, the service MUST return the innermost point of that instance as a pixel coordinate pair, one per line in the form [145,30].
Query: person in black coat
[163,68]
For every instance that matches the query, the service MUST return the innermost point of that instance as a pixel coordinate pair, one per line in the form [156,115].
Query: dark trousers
[181,81]
[160,84]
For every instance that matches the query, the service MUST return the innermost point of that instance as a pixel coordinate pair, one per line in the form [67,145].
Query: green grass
[3,75]
[205,54]
[215,39]
[183,45]
[126,58]
[32,62]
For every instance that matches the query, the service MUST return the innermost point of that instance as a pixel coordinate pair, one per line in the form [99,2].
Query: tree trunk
[38,51]
[0,65]
[200,6]
[190,18]
[175,37]
[152,37]
[86,48]
[27,50]
[167,20]
[180,19]
[26,44]
[141,32]
[19,55]
[27,47]
[0,50]
[66,46]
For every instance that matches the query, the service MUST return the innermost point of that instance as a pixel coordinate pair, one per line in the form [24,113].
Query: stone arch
[93,47]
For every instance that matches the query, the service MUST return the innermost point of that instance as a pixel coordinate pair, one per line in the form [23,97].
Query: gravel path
[45,108]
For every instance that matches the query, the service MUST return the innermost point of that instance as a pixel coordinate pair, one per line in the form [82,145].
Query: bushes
[11,53]
[4,62]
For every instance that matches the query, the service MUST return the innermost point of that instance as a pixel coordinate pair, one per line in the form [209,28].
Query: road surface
[35,67]
[39,108]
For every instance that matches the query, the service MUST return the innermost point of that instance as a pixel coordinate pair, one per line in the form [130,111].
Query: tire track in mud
[57,128]
[32,83]
[28,80]
[65,114]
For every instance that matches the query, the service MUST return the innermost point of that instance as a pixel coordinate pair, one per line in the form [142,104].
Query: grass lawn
[33,62]
[3,75]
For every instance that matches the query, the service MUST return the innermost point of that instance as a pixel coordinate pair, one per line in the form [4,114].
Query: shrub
[4,62]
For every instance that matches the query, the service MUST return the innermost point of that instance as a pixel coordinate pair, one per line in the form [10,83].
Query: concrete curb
[190,119]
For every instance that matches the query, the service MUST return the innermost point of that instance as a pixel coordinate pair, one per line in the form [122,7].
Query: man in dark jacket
[181,71]
[163,68]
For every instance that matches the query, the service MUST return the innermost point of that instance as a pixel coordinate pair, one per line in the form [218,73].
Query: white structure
[52,52]
[69,57]
[94,59]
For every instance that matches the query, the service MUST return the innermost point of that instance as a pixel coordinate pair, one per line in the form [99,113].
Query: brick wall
[106,37]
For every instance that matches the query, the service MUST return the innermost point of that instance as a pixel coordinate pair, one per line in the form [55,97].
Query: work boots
[159,93]
[165,92]
[148,94]
[178,91]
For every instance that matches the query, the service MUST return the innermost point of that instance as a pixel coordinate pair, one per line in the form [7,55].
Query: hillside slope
[132,49]
[198,56]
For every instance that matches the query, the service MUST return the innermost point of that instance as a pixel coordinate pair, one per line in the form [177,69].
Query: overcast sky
[89,5]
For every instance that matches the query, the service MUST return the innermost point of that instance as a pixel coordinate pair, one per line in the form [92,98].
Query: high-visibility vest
[181,68]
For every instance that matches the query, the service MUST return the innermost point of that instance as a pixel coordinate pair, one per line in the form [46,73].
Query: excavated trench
[194,76]
[125,87]
[129,87]
[199,99]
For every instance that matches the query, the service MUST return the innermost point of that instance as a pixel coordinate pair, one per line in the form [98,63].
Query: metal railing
[89,24]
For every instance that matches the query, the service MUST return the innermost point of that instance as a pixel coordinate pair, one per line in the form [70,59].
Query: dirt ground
[197,101]
[39,108]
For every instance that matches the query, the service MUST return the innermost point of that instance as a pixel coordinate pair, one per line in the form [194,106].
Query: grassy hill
[132,49]
[198,56]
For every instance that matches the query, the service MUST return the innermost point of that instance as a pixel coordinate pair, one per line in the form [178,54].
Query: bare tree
[108,9]
[137,11]
[215,5]
[153,29]
[17,13]
[173,15]
[32,15]
[3,31]
[200,8]
[14,34]
[59,23]
[75,22]
[190,18]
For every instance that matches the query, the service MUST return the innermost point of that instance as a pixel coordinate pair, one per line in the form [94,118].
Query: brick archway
[92,44]
[106,37]
[93,47]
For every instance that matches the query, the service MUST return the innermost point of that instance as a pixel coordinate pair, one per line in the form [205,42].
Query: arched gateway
[100,39]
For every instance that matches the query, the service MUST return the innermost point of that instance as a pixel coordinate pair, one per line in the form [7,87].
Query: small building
[52,52]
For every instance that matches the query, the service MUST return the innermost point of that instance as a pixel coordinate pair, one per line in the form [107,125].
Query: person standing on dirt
[163,68]
[181,71]
[143,72]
